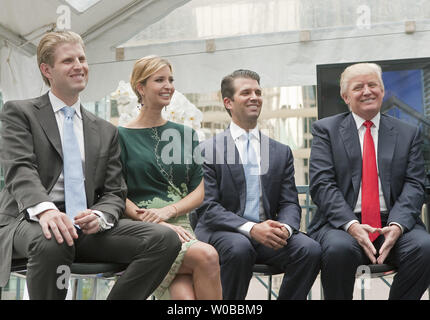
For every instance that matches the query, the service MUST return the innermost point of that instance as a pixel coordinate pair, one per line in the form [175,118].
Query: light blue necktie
[74,183]
[250,166]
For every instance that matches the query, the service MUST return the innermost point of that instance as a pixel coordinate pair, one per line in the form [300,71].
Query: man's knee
[172,239]
[240,254]
[338,249]
[50,251]
[421,250]
[341,251]
[312,250]
[167,238]
[425,249]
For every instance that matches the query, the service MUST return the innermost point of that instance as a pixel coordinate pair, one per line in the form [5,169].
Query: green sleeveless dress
[159,169]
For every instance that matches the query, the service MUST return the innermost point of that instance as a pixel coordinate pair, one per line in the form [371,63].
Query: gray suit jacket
[225,186]
[31,156]
[335,171]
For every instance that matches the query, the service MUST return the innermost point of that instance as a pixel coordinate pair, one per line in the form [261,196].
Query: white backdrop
[272,48]
[19,76]
[280,58]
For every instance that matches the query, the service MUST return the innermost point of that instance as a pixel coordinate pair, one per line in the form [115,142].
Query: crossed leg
[198,277]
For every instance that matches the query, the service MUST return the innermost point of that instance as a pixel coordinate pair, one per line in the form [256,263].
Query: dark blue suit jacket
[225,186]
[335,171]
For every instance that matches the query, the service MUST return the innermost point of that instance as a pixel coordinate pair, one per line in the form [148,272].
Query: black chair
[78,270]
[372,271]
[377,270]
[266,270]
[365,273]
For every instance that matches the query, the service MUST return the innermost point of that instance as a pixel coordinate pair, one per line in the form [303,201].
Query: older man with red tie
[367,179]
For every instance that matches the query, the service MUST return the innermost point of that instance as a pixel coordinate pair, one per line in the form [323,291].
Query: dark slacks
[300,259]
[148,248]
[341,255]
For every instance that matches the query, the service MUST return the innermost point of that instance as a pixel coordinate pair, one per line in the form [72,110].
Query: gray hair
[357,70]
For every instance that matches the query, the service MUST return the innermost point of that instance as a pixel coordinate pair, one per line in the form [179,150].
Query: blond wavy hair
[143,69]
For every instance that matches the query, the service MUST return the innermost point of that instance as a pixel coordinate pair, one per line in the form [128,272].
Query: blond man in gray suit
[34,222]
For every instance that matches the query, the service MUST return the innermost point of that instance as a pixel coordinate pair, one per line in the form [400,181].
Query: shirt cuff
[290,230]
[39,208]
[246,228]
[399,225]
[104,218]
[348,224]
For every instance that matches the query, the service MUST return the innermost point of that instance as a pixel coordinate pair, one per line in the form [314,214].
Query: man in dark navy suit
[251,213]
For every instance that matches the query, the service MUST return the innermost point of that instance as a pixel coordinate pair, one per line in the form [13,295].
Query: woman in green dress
[165,183]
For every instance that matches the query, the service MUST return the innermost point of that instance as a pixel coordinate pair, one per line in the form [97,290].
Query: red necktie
[370,211]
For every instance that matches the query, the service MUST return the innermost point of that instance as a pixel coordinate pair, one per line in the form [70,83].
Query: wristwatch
[102,224]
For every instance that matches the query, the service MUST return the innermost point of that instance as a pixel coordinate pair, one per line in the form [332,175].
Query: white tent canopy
[283,40]
[103,26]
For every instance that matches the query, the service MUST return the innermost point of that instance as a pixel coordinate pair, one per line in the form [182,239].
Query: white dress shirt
[239,136]
[57,192]
[374,130]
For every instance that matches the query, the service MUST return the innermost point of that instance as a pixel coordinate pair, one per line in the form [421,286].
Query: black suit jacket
[336,164]
[31,156]
[225,186]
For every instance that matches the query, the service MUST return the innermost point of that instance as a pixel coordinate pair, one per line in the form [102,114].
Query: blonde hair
[49,42]
[359,69]
[143,69]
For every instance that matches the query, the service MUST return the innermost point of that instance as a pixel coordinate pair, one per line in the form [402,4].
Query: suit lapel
[234,165]
[349,134]
[387,138]
[45,115]
[267,161]
[91,145]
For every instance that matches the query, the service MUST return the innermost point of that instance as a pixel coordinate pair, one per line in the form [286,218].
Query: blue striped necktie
[74,182]
[252,176]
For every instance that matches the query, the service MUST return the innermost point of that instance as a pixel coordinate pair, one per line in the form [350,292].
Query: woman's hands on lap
[156,215]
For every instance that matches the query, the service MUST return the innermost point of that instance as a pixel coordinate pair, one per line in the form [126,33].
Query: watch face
[102,224]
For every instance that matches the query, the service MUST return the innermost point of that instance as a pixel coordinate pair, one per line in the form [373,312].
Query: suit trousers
[300,259]
[148,248]
[341,255]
